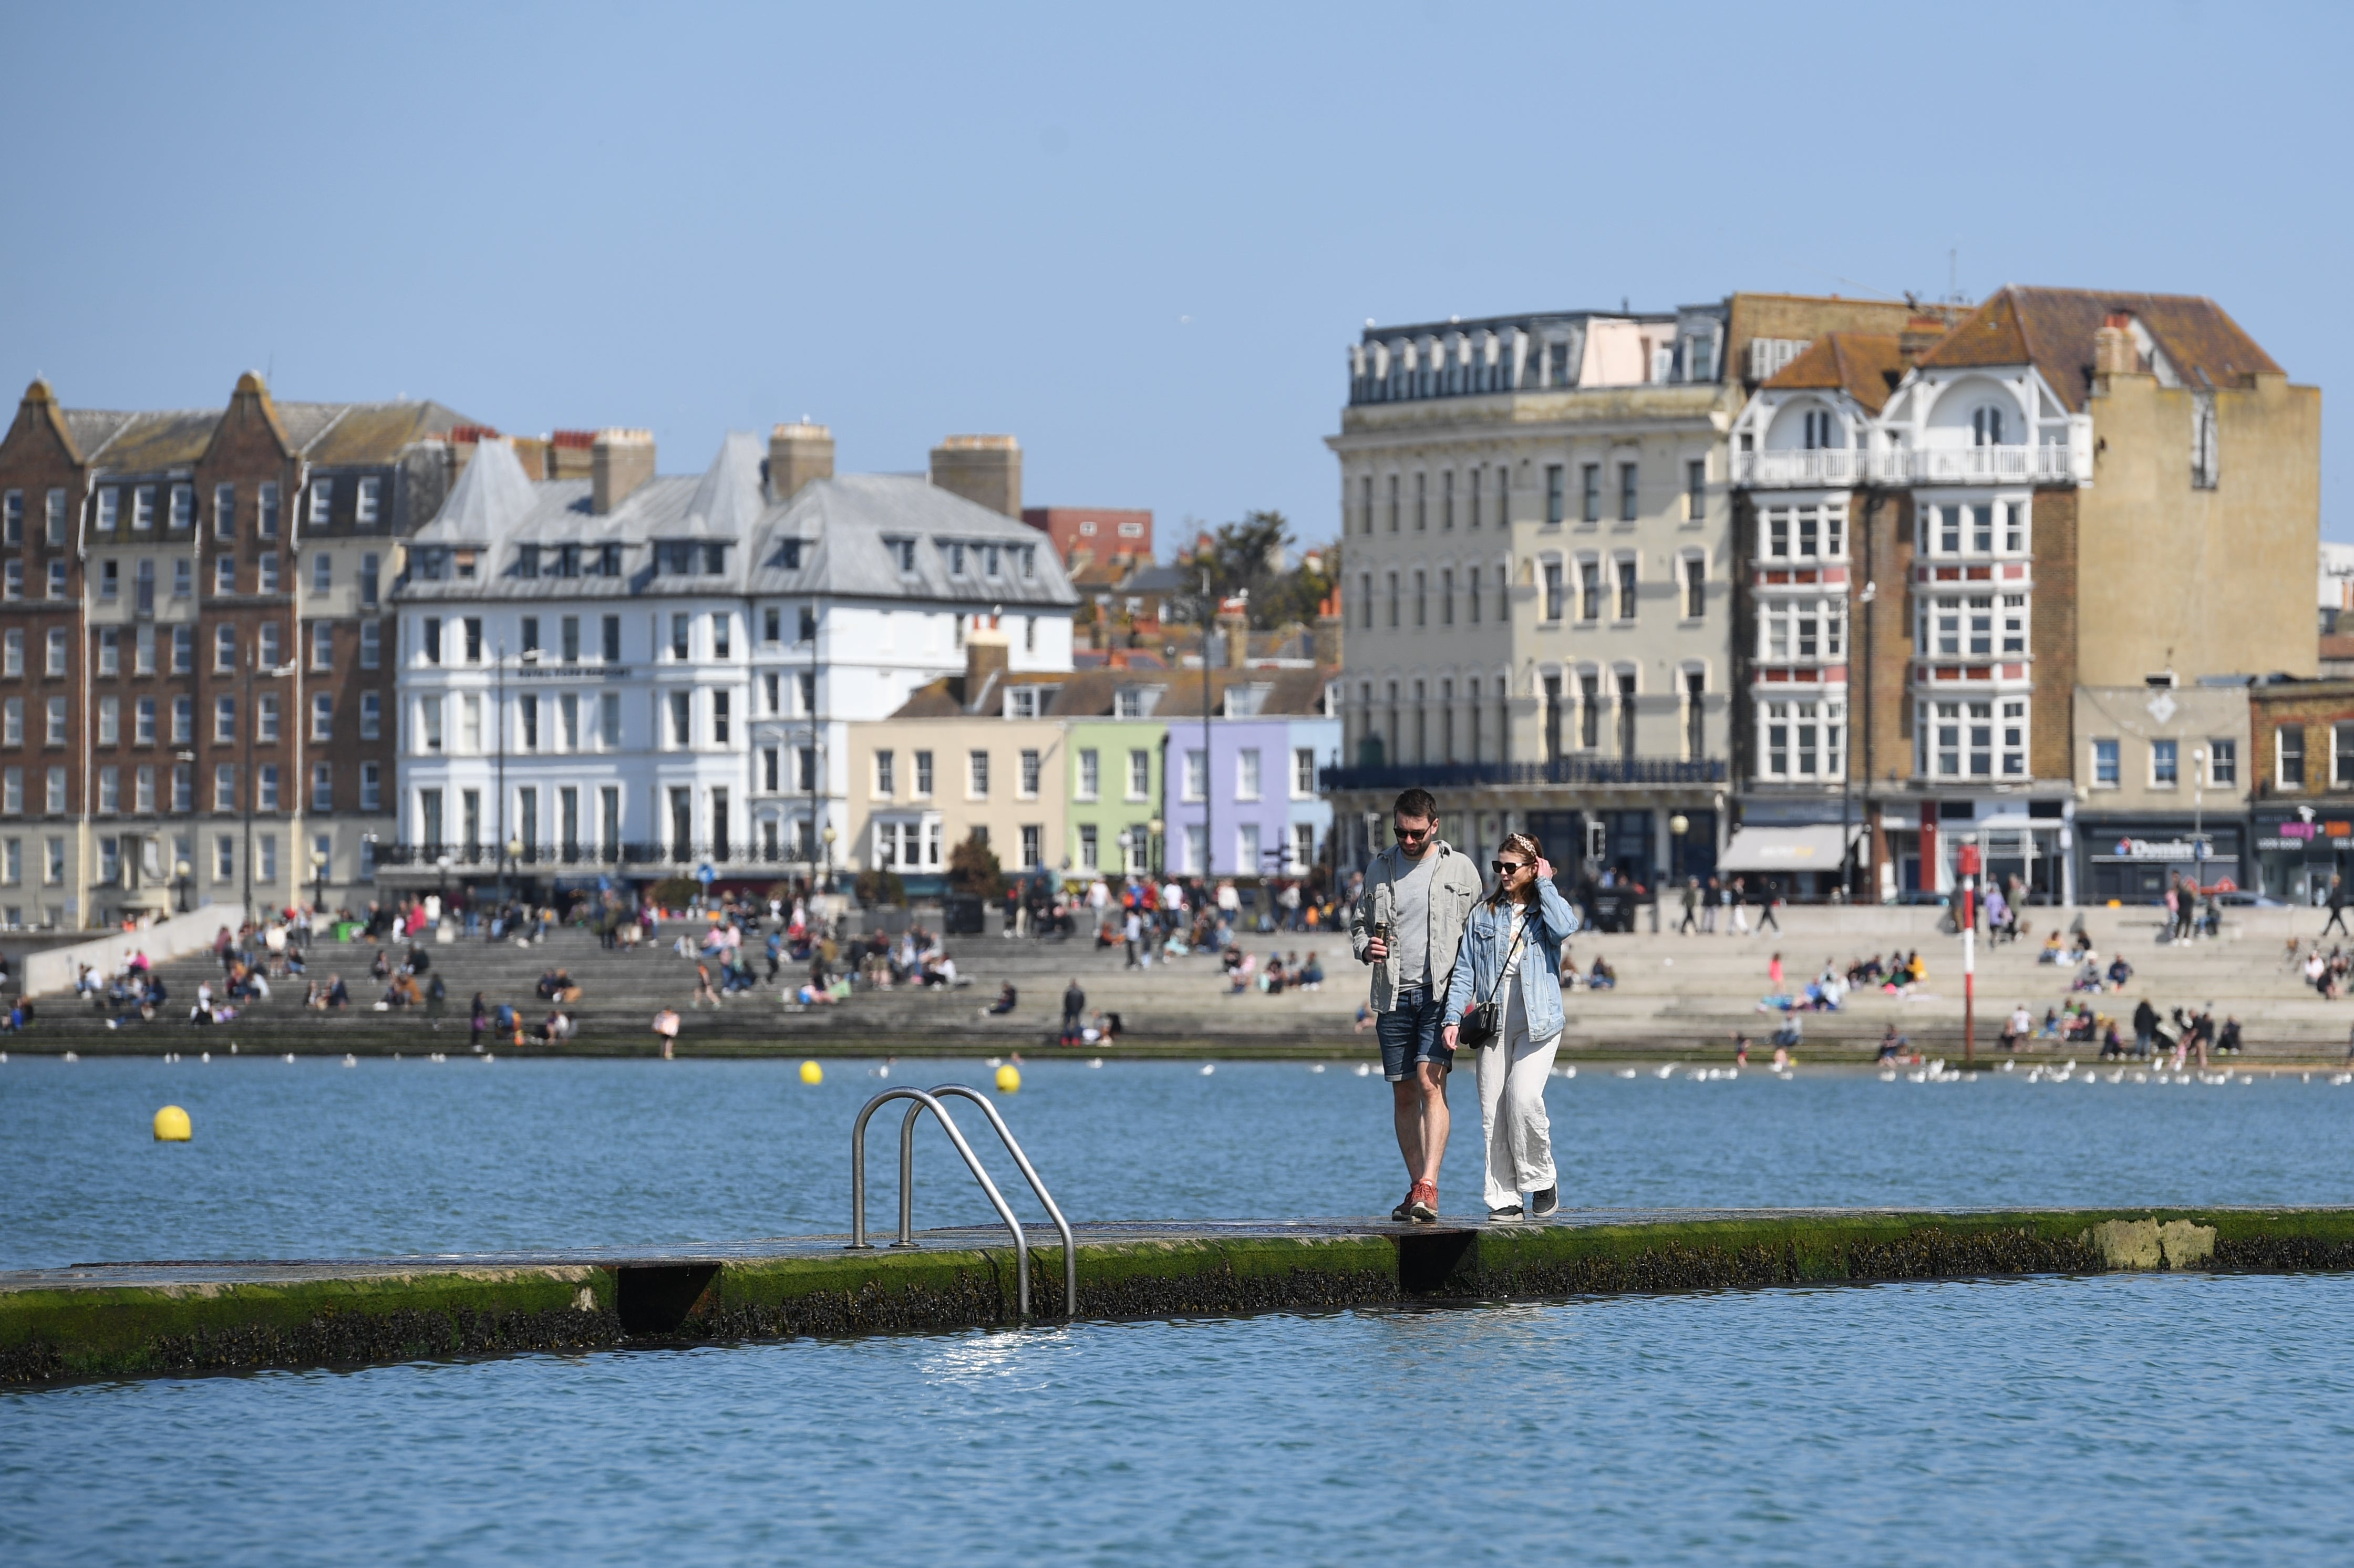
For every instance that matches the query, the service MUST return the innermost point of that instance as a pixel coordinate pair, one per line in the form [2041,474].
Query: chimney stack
[1327,631]
[619,463]
[797,454]
[985,470]
[1234,620]
[567,453]
[987,655]
[2114,352]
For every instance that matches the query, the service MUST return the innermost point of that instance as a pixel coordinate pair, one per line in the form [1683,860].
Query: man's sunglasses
[1506,867]
[1412,835]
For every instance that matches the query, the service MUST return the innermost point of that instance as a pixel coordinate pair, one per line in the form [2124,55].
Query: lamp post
[513,846]
[1678,826]
[2198,822]
[827,837]
[180,880]
[1155,854]
[443,865]
[318,881]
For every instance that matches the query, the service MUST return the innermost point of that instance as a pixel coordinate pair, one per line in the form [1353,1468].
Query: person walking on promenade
[2337,908]
[1691,905]
[1407,924]
[1075,1007]
[1768,896]
[1709,899]
[2145,1027]
[1132,933]
[1511,952]
[1736,907]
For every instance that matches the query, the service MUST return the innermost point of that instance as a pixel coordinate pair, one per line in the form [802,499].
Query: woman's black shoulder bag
[1480,1025]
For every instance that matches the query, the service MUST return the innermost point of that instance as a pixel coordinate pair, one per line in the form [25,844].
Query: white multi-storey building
[637,676]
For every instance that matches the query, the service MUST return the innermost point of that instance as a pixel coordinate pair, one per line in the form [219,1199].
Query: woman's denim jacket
[1486,941]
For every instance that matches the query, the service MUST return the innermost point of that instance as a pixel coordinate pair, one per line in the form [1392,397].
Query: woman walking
[1505,1000]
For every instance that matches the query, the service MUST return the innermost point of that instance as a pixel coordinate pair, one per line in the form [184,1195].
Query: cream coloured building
[1538,571]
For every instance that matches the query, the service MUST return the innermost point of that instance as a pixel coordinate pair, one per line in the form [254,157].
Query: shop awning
[1813,848]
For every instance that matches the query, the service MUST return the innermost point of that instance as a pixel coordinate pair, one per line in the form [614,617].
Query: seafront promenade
[1676,996]
[121,1320]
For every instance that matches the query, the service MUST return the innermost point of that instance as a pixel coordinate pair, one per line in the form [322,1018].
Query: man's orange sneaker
[1422,1203]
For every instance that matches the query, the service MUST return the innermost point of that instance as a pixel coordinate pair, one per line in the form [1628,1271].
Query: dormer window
[1027,555]
[903,556]
[675,558]
[1129,704]
[789,556]
[567,560]
[466,565]
[1022,702]
[989,559]
[430,564]
[956,560]
[526,561]
[608,560]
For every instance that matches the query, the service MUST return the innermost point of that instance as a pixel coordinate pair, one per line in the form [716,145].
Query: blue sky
[1139,239]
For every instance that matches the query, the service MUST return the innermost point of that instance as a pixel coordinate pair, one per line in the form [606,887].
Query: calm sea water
[312,1158]
[2117,1420]
[2155,1419]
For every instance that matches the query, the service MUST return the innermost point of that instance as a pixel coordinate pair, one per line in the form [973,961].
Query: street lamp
[180,879]
[2198,821]
[827,837]
[1678,826]
[1154,846]
[513,846]
[319,881]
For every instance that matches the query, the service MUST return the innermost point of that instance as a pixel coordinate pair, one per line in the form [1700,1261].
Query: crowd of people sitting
[1243,972]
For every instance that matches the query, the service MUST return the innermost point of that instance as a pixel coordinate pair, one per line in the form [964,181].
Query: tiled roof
[146,442]
[1864,366]
[2052,330]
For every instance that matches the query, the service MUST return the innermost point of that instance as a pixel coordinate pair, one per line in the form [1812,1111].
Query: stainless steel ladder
[921,1102]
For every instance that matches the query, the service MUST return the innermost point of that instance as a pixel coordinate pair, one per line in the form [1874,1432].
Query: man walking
[2337,906]
[1408,922]
[1709,898]
[1074,1007]
[1691,906]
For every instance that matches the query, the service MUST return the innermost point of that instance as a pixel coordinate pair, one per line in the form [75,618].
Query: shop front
[2133,860]
[2300,848]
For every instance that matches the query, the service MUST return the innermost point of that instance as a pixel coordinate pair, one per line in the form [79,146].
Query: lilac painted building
[1242,797]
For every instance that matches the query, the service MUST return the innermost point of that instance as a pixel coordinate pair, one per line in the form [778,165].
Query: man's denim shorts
[1410,1033]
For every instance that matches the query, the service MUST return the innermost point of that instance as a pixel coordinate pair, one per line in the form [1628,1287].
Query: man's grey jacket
[1455,887]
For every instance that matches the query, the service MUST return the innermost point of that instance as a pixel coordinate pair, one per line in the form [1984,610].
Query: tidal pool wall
[104,1321]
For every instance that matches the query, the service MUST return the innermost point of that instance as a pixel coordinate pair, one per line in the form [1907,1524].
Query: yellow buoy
[172,1126]
[811,1073]
[1009,1077]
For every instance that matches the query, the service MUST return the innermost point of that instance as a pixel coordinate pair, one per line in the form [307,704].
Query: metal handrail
[1029,1173]
[858,1185]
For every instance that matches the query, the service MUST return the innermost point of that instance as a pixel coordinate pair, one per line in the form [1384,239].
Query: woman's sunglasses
[1506,867]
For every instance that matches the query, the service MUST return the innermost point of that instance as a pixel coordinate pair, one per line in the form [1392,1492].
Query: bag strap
[1517,935]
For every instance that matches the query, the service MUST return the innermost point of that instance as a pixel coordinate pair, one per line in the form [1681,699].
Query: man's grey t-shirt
[1410,925]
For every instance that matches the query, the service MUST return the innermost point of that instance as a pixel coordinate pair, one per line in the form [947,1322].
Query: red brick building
[1102,532]
[194,672]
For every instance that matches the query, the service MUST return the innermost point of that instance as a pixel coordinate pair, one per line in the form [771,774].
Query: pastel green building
[1114,777]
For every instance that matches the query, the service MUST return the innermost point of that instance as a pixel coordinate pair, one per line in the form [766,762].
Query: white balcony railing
[1827,466]
[1909,465]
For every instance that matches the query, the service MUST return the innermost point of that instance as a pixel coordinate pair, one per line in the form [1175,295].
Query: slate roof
[842,524]
[2052,330]
[1090,694]
[1864,366]
[328,434]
